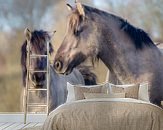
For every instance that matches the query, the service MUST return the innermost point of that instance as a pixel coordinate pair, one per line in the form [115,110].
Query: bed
[106,107]
[106,114]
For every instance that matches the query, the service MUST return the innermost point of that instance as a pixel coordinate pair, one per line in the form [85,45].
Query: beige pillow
[79,91]
[143,92]
[131,90]
[76,92]
[103,95]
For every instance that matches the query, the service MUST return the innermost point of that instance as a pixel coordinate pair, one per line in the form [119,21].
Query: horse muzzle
[38,79]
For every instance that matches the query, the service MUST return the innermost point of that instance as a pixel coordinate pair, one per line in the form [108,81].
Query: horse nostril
[58,65]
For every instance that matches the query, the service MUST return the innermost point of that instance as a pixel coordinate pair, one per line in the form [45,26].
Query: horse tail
[89,77]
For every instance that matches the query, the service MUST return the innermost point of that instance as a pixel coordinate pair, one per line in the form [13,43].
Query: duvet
[106,114]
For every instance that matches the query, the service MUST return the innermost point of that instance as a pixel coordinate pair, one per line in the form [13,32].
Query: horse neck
[119,54]
[115,55]
[54,78]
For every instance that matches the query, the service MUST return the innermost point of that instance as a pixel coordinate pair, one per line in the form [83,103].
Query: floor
[17,126]
[15,121]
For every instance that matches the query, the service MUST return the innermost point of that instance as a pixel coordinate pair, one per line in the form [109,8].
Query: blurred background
[16,15]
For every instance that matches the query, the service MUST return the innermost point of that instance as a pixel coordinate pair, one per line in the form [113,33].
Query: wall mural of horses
[127,51]
[58,83]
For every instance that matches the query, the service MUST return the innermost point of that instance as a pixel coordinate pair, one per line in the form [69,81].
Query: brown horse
[58,83]
[127,51]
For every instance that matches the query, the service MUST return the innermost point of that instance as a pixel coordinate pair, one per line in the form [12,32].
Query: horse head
[38,46]
[79,41]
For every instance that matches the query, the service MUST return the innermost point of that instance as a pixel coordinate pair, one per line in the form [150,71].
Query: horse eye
[77,32]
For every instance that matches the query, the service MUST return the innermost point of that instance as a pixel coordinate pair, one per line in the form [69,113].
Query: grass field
[11,83]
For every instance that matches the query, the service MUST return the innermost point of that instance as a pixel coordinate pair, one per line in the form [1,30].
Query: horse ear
[80,8]
[28,34]
[51,34]
[69,7]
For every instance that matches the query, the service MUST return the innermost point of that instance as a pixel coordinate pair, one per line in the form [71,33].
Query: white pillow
[143,92]
[71,92]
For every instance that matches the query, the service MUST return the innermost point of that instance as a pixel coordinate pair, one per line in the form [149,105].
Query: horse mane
[140,37]
[38,40]
[24,62]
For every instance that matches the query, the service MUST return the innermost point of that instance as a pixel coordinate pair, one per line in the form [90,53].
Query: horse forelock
[75,18]
[74,21]
[38,40]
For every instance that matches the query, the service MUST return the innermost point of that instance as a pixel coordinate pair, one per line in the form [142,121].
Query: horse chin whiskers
[70,68]
[39,86]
